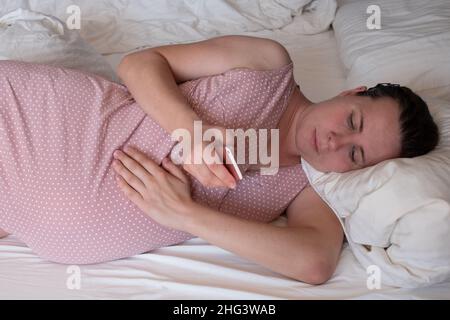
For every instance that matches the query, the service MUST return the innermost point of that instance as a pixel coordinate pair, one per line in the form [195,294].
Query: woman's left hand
[163,193]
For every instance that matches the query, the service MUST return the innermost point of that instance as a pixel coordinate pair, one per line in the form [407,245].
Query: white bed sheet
[196,269]
[192,270]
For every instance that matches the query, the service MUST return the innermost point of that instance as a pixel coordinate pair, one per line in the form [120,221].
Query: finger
[204,175]
[211,178]
[175,170]
[130,193]
[222,173]
[149,165]
[134,166]
[128,176]
[219,169]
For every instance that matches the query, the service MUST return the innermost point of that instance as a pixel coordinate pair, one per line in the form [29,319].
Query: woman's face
[351,132]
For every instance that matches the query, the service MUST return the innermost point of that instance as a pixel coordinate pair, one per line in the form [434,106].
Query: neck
[288,125]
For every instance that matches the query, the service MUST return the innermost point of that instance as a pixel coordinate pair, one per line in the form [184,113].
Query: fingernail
[116,154]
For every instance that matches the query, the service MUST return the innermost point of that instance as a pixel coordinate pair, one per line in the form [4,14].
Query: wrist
[191,213]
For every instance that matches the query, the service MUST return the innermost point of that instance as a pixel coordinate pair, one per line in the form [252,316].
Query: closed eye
[351,125]
[352,154]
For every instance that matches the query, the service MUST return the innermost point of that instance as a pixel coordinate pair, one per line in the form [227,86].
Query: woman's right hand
[209,173]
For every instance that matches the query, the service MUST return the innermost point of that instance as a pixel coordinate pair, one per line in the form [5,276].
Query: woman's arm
[307,250]
[152,75]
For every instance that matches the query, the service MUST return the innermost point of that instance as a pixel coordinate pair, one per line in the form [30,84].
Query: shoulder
[275,55]
[308,209]
[258,53]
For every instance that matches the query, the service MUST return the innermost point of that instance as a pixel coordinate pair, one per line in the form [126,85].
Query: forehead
[381,134]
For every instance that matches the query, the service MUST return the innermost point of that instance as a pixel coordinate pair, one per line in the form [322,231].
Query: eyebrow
[361,127]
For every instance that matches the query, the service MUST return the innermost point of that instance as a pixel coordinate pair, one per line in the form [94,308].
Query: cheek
[336,162]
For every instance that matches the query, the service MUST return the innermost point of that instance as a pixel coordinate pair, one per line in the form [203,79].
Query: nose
[336,141]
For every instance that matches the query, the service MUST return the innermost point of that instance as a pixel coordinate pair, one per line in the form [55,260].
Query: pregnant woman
[72,199]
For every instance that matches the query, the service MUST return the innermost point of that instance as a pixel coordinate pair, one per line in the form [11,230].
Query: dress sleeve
[256,98]
[242,97]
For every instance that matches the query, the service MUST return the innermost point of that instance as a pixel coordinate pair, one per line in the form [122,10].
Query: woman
[65,197]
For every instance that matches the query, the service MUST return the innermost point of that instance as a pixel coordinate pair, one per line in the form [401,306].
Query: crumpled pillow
[35,37]
[396,214]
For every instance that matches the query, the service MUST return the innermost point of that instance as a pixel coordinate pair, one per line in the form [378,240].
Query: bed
[195,269]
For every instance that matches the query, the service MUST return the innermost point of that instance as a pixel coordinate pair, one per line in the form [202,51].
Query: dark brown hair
[419,132]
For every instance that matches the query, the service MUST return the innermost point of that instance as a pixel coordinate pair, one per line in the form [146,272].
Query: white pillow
[396,214]
[34,37]
[412,46]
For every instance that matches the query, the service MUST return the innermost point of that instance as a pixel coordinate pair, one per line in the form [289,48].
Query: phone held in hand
[231,164]
[229,160]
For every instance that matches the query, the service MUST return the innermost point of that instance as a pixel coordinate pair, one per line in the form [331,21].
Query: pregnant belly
[58,130]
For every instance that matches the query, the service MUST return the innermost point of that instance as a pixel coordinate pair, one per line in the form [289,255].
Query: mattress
[196,269]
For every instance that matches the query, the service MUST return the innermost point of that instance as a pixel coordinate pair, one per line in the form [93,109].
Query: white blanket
[35,37]
[121,25]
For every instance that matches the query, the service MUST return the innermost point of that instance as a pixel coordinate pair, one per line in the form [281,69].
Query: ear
[352,91]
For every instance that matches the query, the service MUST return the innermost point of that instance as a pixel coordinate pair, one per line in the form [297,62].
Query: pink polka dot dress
[59,128]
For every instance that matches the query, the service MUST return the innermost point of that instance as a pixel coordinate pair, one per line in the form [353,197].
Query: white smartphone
[231,164]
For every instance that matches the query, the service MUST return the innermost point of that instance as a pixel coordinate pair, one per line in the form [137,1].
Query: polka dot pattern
[59,128]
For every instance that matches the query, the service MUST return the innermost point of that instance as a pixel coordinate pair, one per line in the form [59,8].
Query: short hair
[419,132]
